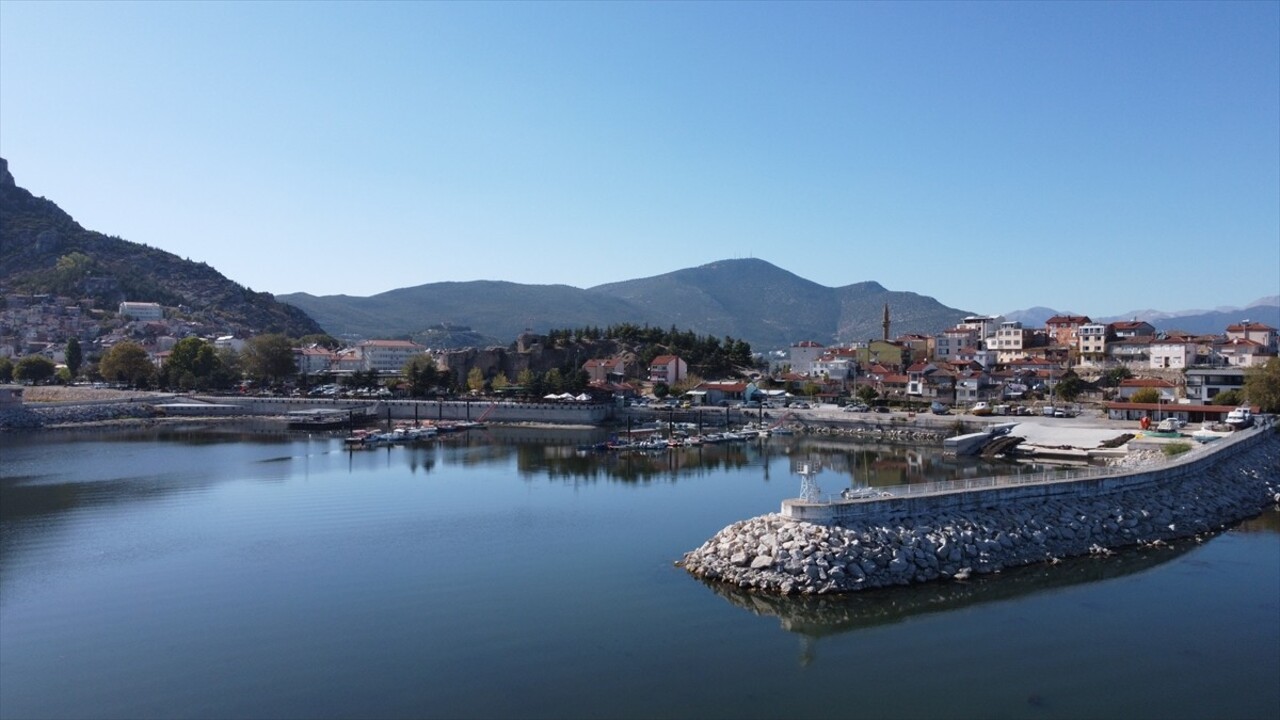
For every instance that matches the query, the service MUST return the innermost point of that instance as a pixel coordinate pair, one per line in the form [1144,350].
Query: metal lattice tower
[809,490]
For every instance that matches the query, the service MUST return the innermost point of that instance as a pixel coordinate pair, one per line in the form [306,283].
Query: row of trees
[706,355]
[193,364]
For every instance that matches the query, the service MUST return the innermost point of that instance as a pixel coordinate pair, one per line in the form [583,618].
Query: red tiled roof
[1250,327]
[1130,324]
[663,360]
[1067,320]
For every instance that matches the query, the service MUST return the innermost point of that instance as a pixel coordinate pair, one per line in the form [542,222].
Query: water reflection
[813,617]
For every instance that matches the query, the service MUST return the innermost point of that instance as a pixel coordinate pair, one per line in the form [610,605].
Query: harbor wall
[951,535]
[1194,462]
[426,410]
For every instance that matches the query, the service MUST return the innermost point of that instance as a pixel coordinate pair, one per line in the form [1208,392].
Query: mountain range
[44,251]
[1198,322]
[748,299]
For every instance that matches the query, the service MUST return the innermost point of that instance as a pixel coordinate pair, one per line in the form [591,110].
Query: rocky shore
[776,554]
[36,417]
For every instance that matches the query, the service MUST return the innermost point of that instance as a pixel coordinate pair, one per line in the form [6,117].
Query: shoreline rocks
[775,554]
[30,417]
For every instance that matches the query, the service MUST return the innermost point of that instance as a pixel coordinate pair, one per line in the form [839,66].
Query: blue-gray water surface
[212,573]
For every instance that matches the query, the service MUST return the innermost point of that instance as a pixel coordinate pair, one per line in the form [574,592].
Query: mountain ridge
[43,250]
[748,299]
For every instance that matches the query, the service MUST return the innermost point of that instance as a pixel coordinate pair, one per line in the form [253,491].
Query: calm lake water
[218,573]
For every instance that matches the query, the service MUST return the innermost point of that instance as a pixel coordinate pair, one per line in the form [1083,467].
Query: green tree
[1234,396]
[228,371]
[1069,387]
[127,362]
[475,380]
[867,394]
[192,364]
[269,358]
[1262,386]
[1146,395]
[421,374]
[6,370]
[499,382]
[661,390]
[1114,376]
[75,357]
[525,379]
[324,340]
[69,271]
[554,380]
[34,369]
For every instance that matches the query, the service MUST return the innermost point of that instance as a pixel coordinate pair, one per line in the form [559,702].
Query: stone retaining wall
[948,536]
[545,412]
[34,417]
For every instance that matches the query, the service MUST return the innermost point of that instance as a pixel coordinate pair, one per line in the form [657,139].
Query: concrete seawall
[1199,460]
[424,410]
[844,547]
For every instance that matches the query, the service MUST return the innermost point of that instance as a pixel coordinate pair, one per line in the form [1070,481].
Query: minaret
[886,322]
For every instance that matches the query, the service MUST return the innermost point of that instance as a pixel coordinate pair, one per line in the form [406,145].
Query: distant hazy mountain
[44,251]
[748,299]
[1035,316]
[1200,322]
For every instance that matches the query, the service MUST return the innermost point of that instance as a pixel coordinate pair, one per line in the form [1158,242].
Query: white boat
[1241,417]
[862,493]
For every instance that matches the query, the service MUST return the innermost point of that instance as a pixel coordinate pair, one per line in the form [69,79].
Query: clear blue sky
[1086,156]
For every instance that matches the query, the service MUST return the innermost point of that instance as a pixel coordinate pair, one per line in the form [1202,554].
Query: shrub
[1176,448]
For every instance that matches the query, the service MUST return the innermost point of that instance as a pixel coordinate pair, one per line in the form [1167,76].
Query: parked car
[938,408]
[882,409]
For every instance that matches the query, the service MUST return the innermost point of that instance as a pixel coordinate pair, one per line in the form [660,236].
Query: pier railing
[879,492]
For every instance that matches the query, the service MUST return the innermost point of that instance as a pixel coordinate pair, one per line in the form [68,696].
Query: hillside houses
[992,359]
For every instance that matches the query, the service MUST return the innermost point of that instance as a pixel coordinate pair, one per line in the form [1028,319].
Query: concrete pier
[953,532]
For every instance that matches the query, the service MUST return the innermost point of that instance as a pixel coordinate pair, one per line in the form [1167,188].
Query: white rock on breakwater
[773,553]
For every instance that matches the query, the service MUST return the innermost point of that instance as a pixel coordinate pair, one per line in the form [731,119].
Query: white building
[1091,342]
[803,354]
[387,356]
[668,369]
[1172,355]
[142,311]
[229,342]
[314,360]
[1012,341]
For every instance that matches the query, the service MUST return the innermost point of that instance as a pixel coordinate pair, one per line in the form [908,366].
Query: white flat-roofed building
[803,354]
[387,356]
[1172,355]
[143,311]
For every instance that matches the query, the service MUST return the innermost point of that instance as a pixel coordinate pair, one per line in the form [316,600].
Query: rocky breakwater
[776,554]
[35,417]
